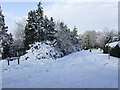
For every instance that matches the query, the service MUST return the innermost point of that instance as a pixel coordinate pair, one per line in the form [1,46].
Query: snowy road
[82,69]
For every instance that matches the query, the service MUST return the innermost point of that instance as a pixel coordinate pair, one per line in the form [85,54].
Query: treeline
[93,39]
[108,40]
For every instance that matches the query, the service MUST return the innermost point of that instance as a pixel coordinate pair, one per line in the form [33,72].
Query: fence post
[8,62]
[108,51]
[18,58]
[18,61]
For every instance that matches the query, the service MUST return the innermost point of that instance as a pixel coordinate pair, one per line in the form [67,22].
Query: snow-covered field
[82,69]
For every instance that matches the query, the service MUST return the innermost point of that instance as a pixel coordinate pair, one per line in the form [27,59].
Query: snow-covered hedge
[114,48]
[41,50]
[113,44]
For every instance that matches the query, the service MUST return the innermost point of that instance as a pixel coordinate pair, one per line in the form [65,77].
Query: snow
[113,44]
[41,50]
[82,69]
[0,75]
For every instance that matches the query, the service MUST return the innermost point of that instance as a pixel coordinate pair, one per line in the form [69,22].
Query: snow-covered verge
[41,50]
[82,69]
[113,44]
[0,75]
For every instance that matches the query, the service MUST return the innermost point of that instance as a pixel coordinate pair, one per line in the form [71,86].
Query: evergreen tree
[40,34]
[34,29]
[74,32]
[38,27]
[46,26]
[30,29]
[51,35]
[5,38]
[11,45]
[1,34]
[74,36]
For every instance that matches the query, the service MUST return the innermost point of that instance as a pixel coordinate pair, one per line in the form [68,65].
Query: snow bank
[82,69]
[0,75]
[41,50]
[113,44]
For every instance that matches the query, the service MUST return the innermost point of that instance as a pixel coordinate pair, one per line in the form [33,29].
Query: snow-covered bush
[42,50]
[67,41]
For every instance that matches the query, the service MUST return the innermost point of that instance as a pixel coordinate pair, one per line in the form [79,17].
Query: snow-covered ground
[82,69]
[0,75]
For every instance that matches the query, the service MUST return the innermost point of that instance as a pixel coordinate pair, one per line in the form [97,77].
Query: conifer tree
[34,29]
[51,35]
[5,38]
[74,35]
[1,34]
[74,32]
[30,30]
[40,34]
[46,26]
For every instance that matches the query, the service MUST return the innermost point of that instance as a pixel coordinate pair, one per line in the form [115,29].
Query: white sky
[60,0]
[87,15]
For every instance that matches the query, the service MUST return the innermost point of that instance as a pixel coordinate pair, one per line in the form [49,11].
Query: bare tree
[88,39]
[19,32]
[102,37]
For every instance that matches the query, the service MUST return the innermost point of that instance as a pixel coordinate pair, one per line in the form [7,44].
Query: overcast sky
[83,15]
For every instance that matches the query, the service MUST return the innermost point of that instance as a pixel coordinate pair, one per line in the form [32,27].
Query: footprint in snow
[46,70]
[105,63]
